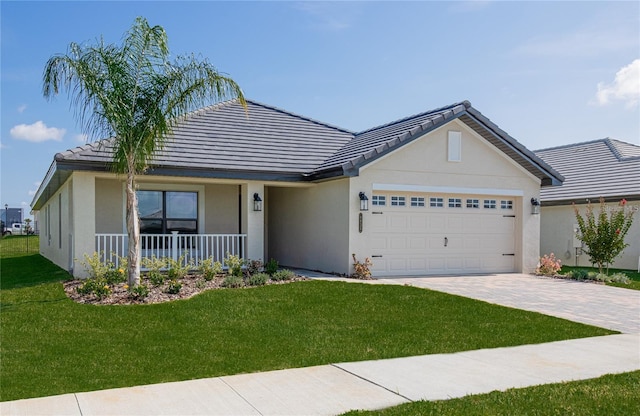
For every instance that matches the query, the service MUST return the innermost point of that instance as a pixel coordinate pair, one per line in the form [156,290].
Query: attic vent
[454,146]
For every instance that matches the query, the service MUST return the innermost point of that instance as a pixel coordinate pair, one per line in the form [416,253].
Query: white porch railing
[196,247]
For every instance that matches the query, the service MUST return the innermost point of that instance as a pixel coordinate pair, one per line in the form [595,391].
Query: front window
[162,212]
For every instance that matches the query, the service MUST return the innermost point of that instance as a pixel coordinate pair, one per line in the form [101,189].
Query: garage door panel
[411,240]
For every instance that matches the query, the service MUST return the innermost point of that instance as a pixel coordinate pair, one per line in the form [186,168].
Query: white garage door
[448,234]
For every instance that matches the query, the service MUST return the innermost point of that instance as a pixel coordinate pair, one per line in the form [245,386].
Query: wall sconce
[535,206]
[364,202]
[257,202]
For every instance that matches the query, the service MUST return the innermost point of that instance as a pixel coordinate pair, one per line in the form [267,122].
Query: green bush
[178,269]
[619,278]
[271,267]
[98,287]
[284,274]
[210,269]
[234,263]
[174,286]
[258,279]
[156,277]
[578,274]
[155,265]
[233,281]
[139,291]
[115,276]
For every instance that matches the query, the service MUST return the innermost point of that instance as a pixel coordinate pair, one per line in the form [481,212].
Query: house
[605,168]
[441,192]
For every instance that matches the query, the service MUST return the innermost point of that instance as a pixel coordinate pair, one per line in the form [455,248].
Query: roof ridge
[572,145]
[88,146]
[301,117]
[466,103]
[619,153]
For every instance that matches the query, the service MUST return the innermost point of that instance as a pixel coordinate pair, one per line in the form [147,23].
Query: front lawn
[633,275]
[609,395]
[52,345]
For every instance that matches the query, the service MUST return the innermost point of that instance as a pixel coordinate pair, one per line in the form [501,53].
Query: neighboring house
[447,192]
[601,168]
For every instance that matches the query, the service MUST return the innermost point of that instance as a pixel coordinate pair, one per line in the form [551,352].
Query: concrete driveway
[594,304]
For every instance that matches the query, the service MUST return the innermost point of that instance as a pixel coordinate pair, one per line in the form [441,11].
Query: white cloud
[37,132]
[81,138]
[625,87]
[22,108]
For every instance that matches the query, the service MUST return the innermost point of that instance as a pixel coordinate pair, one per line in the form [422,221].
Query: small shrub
[115,276]
[178,269]
[174,286]
[271,267]
[548,265]
[98,287]
[361,270]
[284,274]
[200,284]
[210,269]
[619,278]
[232,281]
[578,274]
[258,279]
[140,291]
[94,265]
[234,263]
[155,265]
[253,266]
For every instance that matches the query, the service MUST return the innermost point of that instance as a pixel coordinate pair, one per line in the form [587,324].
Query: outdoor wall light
[535,206]
[257,202]
[364,202]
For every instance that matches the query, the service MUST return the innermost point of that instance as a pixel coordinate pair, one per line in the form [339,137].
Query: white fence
[194,247]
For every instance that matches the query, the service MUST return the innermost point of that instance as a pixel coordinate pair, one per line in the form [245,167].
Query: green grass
[51,345]
[609,395]
[633,275]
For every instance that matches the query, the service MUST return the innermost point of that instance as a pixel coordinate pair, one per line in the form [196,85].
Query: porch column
[83,227]
[253,221]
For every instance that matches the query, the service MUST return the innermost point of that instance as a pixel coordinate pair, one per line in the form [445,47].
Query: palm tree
[135,95]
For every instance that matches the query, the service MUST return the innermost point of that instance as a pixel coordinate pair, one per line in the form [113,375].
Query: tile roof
[600,168]
[267,143]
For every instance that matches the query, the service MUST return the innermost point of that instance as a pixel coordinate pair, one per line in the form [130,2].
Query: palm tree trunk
[133,230]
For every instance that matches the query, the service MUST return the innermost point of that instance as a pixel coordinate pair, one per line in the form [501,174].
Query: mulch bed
[192,285]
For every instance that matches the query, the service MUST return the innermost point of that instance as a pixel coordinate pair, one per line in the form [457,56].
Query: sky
[548,73]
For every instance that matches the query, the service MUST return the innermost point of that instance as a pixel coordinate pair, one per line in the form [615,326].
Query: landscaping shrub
[234,263]
[253,266]
[578,274]
[361,270]
[233,281]
[178,269]
[548,265]
[258,279]
[619,278]
[174,286]
[209,269]
[271,267]
[155,265]
[139,292]
[96,286]
[284,274]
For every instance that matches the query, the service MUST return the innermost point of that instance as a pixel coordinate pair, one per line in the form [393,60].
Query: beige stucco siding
[557,230]
[109,206]
[423,164]
[221,209]
[56,227]
[309,227]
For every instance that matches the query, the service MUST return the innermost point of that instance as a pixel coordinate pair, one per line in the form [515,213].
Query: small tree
[603,235]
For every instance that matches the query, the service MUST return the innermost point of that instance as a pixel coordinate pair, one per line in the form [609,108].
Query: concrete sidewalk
[334,389]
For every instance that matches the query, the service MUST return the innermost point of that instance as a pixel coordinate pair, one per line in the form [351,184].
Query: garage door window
[506,204]
[436,202]
[417,201]
[490,203]
[398,201]
[455,203]
[379,200]
[473,203]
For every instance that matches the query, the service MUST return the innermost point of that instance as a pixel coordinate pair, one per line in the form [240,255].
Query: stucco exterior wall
[55,229]
[110,206]
[221,209]
[424,163]
[557,231]
[309,227]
